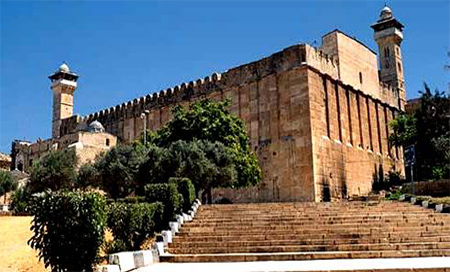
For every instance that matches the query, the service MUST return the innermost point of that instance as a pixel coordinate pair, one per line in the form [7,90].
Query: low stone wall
[437,188]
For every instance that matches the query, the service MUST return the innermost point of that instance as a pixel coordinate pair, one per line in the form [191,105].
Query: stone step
[314,248]
[301,237]
[311,214]
[299,256]
[273,222]
[287,242]
[350,228]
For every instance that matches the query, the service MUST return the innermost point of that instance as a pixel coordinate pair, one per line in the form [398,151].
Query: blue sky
[123,50]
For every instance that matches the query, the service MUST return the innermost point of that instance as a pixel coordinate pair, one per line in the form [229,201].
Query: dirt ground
[15,254]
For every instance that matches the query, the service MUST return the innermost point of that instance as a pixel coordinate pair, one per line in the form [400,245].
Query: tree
[68,229]
[88,176]
[118,170]
[207,164]
[7,183]
[428,129]
[54,171]
[210,121]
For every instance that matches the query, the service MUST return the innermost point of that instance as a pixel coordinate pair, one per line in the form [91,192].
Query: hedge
[132,223]
[68,229]
[186,188]
[168,195]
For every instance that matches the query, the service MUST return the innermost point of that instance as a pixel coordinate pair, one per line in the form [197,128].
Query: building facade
[317,117]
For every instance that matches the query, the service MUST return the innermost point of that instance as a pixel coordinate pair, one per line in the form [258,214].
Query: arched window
[386,52]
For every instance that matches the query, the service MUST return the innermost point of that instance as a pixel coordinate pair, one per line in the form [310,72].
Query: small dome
[96,126]
[386,13]
[64,68]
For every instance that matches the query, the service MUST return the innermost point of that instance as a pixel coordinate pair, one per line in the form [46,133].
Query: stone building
[316,117]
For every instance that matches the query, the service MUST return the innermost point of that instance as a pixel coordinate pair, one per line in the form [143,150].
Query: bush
[68,229]
[20,200]
[186,188]
[168,195]
[132,224]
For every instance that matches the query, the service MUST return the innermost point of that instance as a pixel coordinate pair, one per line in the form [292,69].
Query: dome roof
[386,13]
[96,126]
[64,67]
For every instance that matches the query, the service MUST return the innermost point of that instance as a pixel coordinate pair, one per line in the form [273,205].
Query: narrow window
[386,65]
[327,113]
[369,123]
[380,148]
[107,142]
[31,162]
[361,142]
[347,93]
[399,67]
[338,111]
[360,78]
[386,52]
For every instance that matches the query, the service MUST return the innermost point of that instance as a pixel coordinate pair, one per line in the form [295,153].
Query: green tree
[54,171]
[212,122]
[88,176]
[7,183]
[118,170]
[68,229]
[428,129]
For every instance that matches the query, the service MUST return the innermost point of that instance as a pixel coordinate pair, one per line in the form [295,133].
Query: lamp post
[144,117]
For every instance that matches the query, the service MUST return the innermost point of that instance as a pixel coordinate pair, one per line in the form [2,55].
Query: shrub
[68,229]
[186,188]
[20,200]
[131,224]
[7,183]
[168,195]
[54,171]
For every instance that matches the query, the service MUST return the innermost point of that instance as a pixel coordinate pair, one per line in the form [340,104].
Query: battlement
[286,59]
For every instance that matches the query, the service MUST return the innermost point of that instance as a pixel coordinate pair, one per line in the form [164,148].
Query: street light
[144,116]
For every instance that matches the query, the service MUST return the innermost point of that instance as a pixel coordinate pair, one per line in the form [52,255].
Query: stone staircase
[310,231]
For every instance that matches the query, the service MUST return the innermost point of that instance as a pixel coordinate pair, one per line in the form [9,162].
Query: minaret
[64,84]
[389,36]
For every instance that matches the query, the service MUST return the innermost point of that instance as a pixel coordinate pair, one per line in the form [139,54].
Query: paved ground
[316,265]
[15,254]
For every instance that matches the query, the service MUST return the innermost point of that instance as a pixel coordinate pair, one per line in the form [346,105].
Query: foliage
[208,164]
[54,171]
[20,200]
[88,176]
[118,169]
[428,129]
[186,188]
[131,224]
[168,195]
[68,229]
[395,195]
[7,183]
[405,128]
[209,121]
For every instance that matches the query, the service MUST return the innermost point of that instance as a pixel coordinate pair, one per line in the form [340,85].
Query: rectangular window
[396,147]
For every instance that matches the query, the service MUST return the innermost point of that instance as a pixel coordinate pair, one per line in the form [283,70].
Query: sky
[126,49]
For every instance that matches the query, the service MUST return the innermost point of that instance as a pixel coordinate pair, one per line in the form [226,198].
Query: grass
[15,254]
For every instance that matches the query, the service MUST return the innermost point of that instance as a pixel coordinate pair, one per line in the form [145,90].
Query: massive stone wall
[350,138]
[316,137]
